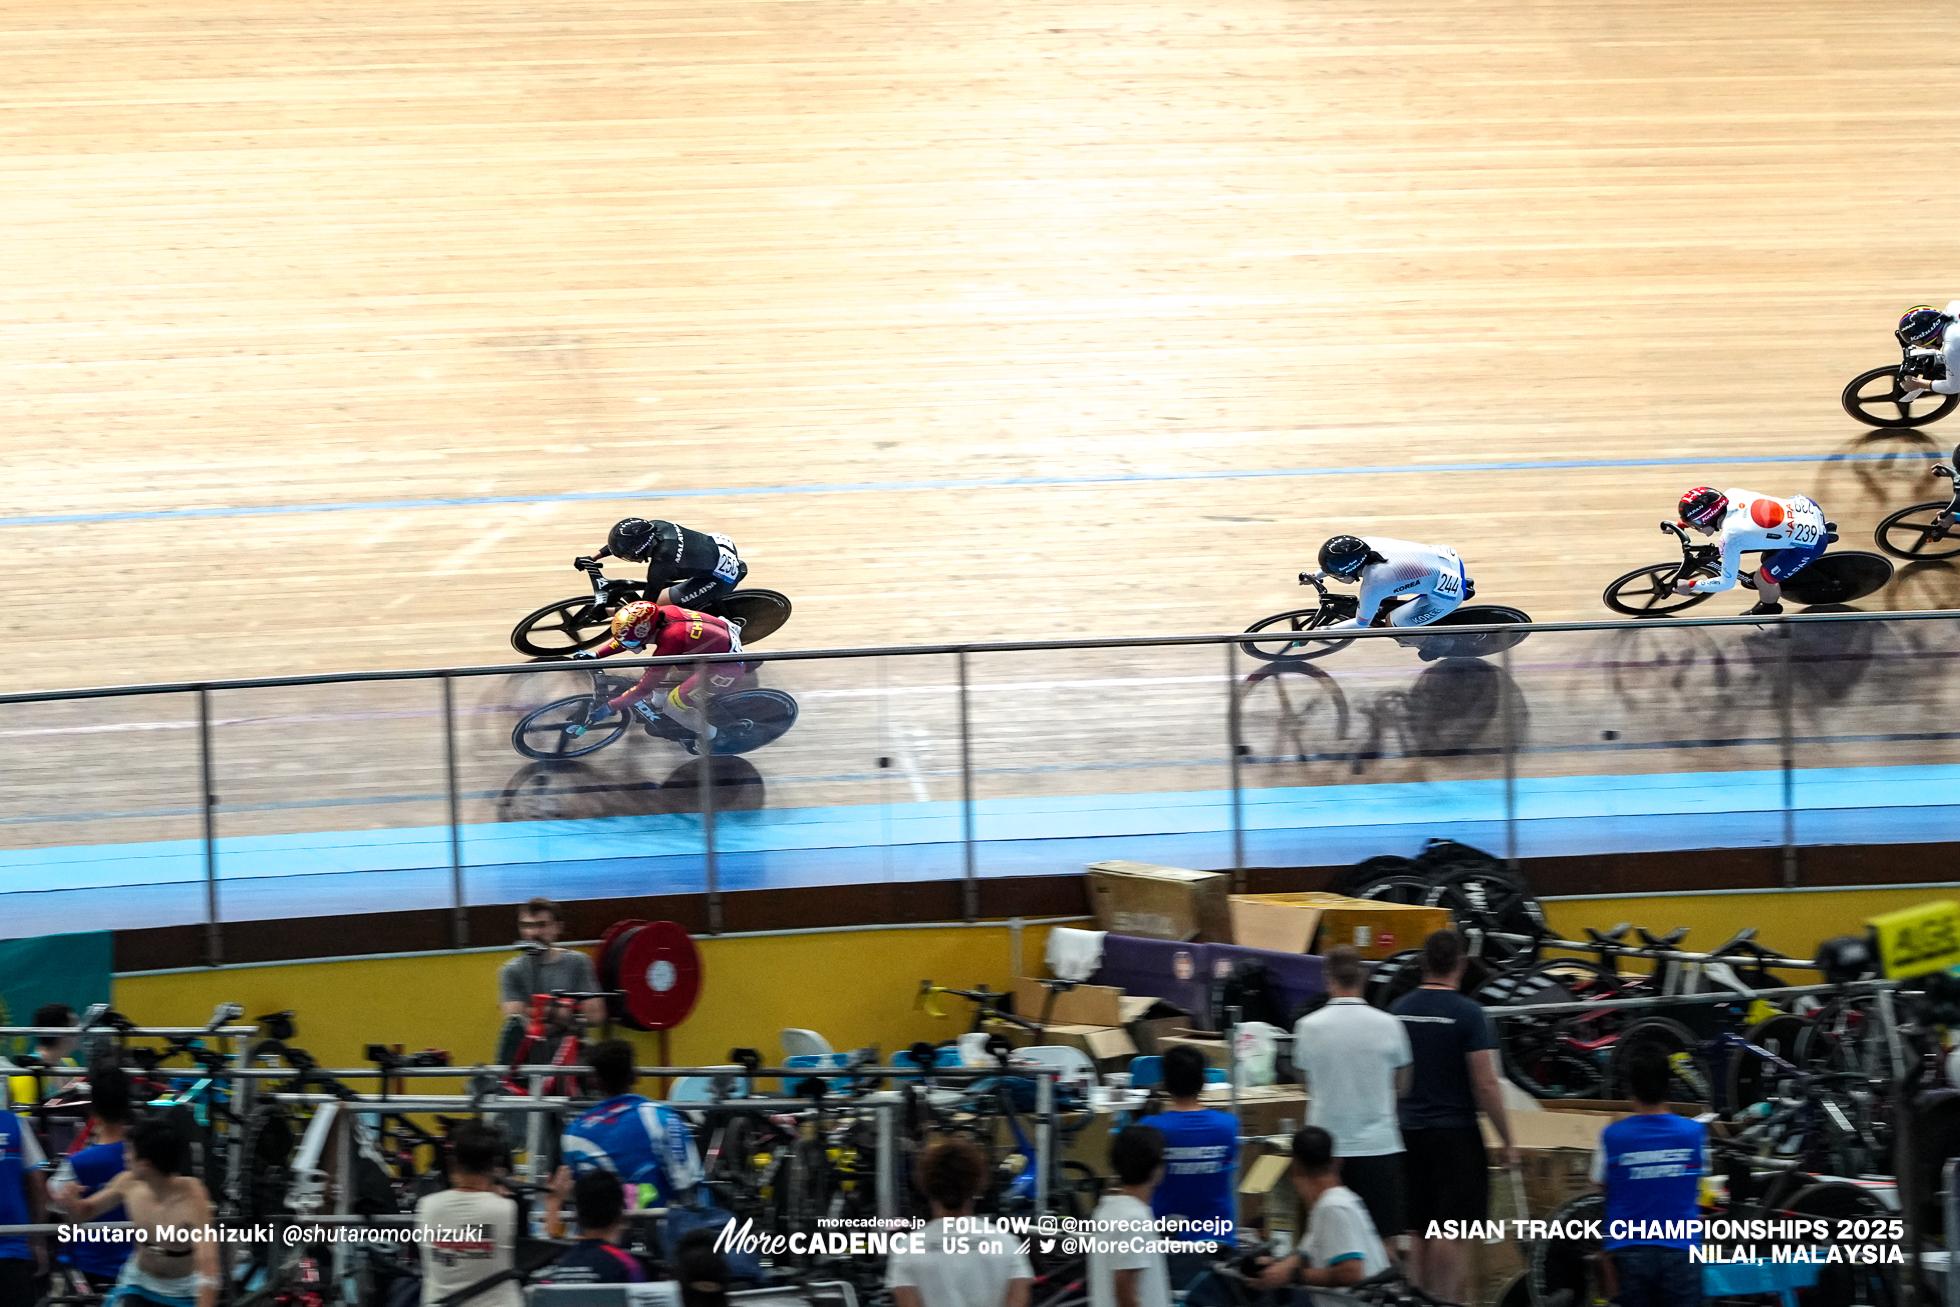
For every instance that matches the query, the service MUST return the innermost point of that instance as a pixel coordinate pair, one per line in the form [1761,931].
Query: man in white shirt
[972,1269]
[1126,1267]
[1355,1060]
[1341,1247]
[475,1228]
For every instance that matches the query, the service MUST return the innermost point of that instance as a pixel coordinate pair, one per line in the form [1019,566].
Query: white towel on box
[1074,954]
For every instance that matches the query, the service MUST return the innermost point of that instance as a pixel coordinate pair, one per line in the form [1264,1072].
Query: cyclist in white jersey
[1932,340]
[1789,533]
[1430,575]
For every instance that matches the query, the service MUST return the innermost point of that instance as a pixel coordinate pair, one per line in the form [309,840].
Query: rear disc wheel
[760,612]
[749,719]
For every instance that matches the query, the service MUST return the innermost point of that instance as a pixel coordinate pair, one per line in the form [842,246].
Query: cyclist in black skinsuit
[697,569]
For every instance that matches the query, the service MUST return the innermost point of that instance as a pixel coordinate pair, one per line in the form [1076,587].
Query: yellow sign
[1915,941]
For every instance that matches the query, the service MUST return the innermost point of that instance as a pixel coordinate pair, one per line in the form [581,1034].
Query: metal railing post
[1786,721]
[459,919]
[1234,748]
[706,748]
[214,945]
[1507,709]
[970,895]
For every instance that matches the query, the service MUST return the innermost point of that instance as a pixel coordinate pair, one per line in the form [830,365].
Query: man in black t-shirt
[1455,1073]
[597,1257]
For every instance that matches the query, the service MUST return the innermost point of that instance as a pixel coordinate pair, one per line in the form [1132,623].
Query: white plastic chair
[804,1043]
[701,1089]
[1075,1065]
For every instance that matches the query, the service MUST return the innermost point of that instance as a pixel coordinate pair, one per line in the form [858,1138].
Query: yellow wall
[855,988]
[1790,923]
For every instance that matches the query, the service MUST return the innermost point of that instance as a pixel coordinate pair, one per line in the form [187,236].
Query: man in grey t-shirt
[540,971]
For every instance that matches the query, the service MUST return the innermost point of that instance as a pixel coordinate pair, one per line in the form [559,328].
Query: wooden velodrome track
[821,275]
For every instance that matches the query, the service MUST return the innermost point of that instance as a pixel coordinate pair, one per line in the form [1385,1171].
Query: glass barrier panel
[1876,718]
[1648,738]
[330,799]
[1369,747]
[100,823]
[604,812]
[1084,755]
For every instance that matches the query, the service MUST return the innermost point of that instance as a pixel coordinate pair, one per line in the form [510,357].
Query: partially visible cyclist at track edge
[663,630]
[631,1136]
[1789,533]
[1430,577]
[1931,338]
[684,566]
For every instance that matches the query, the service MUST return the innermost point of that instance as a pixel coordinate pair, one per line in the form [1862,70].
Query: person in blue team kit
[1201,1147]
[636,1139]
[23,1201]
[1651,1164]
[88,1169]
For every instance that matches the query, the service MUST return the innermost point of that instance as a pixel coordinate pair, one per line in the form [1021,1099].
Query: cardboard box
[1109,1047]
[1171,903]
[1263,1109]
[1146,1034]
[1217,1052]
[1311,922]
[1085,1005]
[1266,1200]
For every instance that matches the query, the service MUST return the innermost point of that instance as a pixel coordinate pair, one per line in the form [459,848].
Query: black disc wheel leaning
[1392,977]
[1688,1082]
[761,612]
[749,719]
[1279,625]
[1752,1080]
[1570,1267]
[1480,645]
[562,629]
[1917,533]
[1839,578]
[547,732]
[1876,399]
[1649,591]
[1409,889]
[1499,911]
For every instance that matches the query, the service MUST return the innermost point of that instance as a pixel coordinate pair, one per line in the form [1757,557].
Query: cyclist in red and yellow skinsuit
[664,630]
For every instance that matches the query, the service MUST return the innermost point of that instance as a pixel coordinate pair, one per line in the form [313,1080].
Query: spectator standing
[49,1051]
[1134,1273]
[545,967]
[1201,1149]
[631,1137]
[23,1201]
[1651,1164]
[1341,1246]
[957,1270]
[452,1262]
[600,1205]
[1356,1062]
[1446,1173]
[85,1172]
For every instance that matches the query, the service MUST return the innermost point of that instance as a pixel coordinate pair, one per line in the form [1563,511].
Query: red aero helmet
[1703,505]
[635,623]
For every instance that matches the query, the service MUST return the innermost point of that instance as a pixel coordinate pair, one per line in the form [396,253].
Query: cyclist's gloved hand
[583,653]
[584,564]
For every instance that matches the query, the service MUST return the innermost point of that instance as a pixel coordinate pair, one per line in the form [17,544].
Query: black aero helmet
[1921,325]
[1344,556]
[632,538]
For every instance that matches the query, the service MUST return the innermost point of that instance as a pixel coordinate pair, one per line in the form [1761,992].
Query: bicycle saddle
[1668,940]
[1613,936]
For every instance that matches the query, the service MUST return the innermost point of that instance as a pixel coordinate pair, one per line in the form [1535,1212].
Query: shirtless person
[167,1270]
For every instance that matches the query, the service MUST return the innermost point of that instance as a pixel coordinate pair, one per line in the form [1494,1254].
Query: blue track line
[972,483]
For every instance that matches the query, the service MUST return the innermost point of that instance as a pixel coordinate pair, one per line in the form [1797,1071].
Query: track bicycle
[1285,640]
[561,629]
[1924,531]
[1836,578]
[1877,398]
[581,724]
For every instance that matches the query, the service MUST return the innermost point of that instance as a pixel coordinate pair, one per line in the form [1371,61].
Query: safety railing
[279,797]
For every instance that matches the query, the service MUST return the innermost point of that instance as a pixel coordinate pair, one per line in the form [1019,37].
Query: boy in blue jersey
[88,1169]
[23,1201]
[1201,1148]
[1651,1164]
[637,1140]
